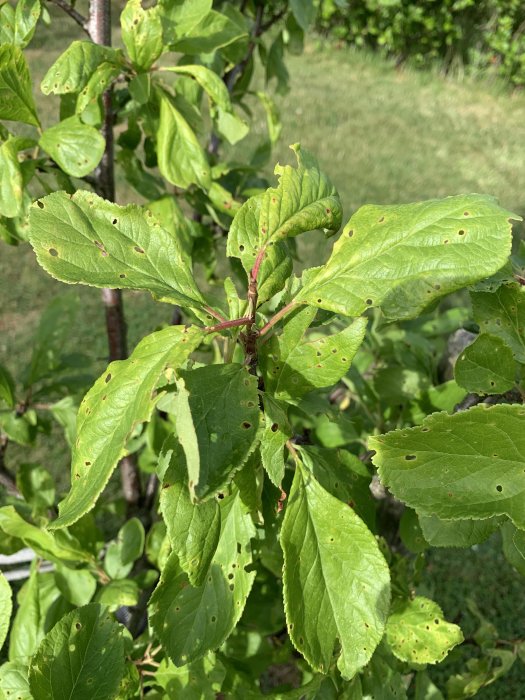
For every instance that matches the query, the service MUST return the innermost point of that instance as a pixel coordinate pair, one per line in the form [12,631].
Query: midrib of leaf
[73,681]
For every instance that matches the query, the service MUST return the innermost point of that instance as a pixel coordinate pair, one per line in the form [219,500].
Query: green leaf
[182,160]
[417,632]
[11,182]
[179,17]
[381,679]
[38,606]
[7,387]
[37,487]
[425,689]
[14,681]
[6,605]
[209,81]
[480,673]
[336,581]
[468,465]
[122,554]
[117,593]
[82,657]
[502,313]
[77,586]
[272,116]
[304,200]
[123,397]
[293,365]
[16,97]
[230,126]
[213,31]
[76,147]
[84,239]
[63,548]
[221,402]
[141,33]
[457,533]
[486,366]
[193,529]
[102,77]
[73,69]
[403,257]
[277,430]
[190,621]
[304,12]
[27,13]
[200,680]
[514,546]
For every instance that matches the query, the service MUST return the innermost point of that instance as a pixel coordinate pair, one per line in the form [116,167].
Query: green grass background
[384,136]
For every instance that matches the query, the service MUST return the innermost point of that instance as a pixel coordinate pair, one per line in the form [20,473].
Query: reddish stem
[229,324]
[278,316]
[215,314]
[257,264]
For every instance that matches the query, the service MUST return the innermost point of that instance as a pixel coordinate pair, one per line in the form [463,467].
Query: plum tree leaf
[11,182]
[294,366]
[190,621]
[6,605]
[14,682]
[403,257]
[486,366]
[324,543]
[101,78]
[142,33]
[16,97]
[514,546]
[469,465]
[213,31]
[457,533]
[123,397]
[502,313]
[73,68]
[182,160]
[84,239]
[221,402]
[209,81]
[417,632]
[76,147]
[193,529]
[277,430]
[82,657]
[304,200]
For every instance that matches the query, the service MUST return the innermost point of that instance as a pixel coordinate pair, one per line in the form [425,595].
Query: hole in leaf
[40,204]
[409,458]
[319,301]
[241,248]
[246,425]
[53,252]
[499,488]
[213,618]
[108,377]
[275,427]
[138,250]
[114,221]
[445,241]
[369,302]
[461,232]
[122,276]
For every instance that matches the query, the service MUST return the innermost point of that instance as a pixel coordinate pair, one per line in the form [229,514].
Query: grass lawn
[384,136]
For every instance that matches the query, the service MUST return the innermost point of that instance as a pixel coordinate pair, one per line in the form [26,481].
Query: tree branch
[76,16]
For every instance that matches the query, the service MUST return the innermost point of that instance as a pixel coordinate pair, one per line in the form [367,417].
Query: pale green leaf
[230,126]
[200,680]
[502,313]
[336,581]
[78,586]
[27,13]
[170,216]
[7,25]
[73,69]
[486,366]
[304,200]
[179,17]
[117,593]
[293,365]
[467,465]
[193,529]
[82,657]
[403,257]
[76,147]
[123,397]
[209,81]
[11,182]
[514,546]
[14,681]
[273,119]
[212,32]
[101,78]
[457,533]
[122,553]
[141,33]
[182,160]
[62,548]
[304,12]
[277,430]
[417,632]
[191,621]
[222,405]
[6,606]
[16,97]
[85,239]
